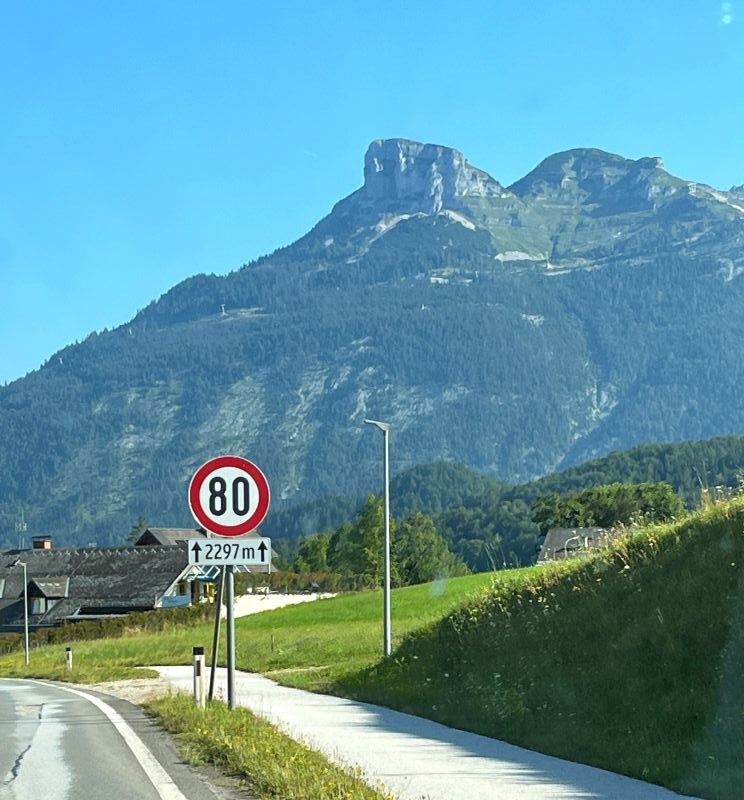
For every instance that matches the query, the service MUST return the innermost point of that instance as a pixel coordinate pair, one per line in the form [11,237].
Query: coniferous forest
[476,348]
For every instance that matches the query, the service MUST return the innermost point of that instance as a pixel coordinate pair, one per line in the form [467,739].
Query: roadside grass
[631,660]
[270,765]
[309,645]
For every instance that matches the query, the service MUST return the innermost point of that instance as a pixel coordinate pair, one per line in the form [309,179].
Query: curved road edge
[152,748]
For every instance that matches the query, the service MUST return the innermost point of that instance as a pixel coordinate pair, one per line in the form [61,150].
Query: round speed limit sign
[229,496]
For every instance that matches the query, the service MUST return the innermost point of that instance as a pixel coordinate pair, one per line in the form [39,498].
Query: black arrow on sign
[262,549]
[196,550]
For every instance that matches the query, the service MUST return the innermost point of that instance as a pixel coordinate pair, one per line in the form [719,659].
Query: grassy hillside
[309,645]
[632,661]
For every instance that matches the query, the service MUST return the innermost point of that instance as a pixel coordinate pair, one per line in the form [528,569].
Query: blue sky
[144,142]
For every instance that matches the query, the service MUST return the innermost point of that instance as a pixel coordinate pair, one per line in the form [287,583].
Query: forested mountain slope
[592,306]
[490,523]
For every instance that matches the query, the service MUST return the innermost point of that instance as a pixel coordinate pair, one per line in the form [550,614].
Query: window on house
[39,605]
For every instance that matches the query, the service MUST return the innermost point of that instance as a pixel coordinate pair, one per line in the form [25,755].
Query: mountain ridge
[514,334]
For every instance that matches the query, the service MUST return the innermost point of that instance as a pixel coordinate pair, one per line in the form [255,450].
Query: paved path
[416,758]
[247,604]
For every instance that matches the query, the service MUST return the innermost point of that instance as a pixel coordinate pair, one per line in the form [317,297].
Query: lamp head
[383,426]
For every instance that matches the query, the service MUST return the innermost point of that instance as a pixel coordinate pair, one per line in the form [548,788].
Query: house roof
[562,542]
[123,578]
[167,536]
[50,587]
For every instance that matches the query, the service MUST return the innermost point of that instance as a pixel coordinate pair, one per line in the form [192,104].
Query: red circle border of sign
[264,496]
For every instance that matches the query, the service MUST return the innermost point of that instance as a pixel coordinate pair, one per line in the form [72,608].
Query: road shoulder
[126,698]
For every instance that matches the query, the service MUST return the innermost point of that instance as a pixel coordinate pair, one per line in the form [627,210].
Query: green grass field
[631,660]
[309,645]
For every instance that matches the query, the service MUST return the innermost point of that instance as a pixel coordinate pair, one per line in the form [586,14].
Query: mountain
[591,306]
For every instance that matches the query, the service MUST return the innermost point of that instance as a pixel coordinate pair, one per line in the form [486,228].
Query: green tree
[341,555]
[357,548]
[605,506]
[421,554]
[312,554]
[137,530]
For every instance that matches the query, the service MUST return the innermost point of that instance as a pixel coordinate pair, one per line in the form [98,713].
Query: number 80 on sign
[229,496]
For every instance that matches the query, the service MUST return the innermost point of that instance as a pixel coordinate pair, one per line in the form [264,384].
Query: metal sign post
[229,496]
[216,639]
[230,636]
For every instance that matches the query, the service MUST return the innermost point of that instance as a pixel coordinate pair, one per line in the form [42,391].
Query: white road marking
[163,783]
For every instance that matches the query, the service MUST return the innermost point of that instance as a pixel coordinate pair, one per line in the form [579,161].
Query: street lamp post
[20,563]
[387,635]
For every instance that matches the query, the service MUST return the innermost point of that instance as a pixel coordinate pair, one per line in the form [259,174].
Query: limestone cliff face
[423,178]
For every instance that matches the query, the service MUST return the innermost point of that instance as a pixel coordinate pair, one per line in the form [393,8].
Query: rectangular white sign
[253,552]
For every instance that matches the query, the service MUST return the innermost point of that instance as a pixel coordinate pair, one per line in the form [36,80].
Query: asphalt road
[66,744]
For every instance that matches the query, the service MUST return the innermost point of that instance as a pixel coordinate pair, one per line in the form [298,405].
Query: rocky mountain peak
[596,177]
[422,177]
[588,169]
[737,190]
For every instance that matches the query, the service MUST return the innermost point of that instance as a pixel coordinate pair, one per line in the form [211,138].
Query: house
[561,543]
[69,584]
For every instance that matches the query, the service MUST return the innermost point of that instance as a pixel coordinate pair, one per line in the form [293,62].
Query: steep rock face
[737,190]
[422,178]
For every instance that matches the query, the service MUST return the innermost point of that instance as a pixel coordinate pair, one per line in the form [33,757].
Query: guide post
[229,496]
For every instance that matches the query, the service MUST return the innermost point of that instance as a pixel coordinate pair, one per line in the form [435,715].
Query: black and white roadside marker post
[199,697]
[229,496]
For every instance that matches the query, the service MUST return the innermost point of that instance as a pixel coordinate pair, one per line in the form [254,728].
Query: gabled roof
[49,587]
[124,578]
[167,536]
